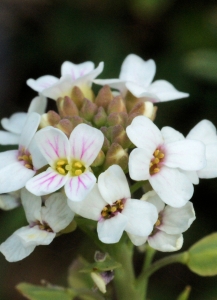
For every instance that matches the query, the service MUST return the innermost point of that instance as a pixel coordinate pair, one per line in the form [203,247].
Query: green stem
[136,186]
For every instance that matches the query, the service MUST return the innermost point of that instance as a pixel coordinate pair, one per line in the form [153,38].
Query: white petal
[185,154]
[177,220]
[76,70]
[111,230]
[164,242]
[32,206]
[138,90]
[46,182]
[137,240]
[53,144]
[88,78]
[141,217]
[33,236]
[15,123]
[172,186]
[38,104]
[8,157]
[91,206]
[154,199]
[9,201]
[113,83]
[29,129]
[8,138]
[38,160]
[135,69]
[139,162]
[13,249]
[171,135]
[78,187]
[42,82]
[210,170]
[165,91]
[144,134]
[56,212]
[204,131]
[113,184]
[8,183]
[62,88]
[192,176]
[85,142]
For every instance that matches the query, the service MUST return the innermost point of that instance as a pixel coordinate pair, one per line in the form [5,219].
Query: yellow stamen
[156,170]
[28,166]
[61,170]
[77,165]
[78,172]
[113,209]
[61,162]
[156,152]
[157,223]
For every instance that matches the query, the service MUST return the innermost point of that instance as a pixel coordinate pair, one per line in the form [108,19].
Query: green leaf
[34,292]
[185,294]
[203,256]
[106,265]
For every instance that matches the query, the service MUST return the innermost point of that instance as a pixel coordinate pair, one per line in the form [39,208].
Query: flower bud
[116,155]
[99,160]
[66,107]
[100,117]
[77,96]
[104,97]
[143,109]
[117,119]
[75,121]
[65,126]
[116,105]
[118,135]
[131,101]
[88,110]
[51,118]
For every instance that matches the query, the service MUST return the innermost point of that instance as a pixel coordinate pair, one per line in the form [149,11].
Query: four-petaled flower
[136,76]
[111,205]
[44,222]
[69,161]
[159,159]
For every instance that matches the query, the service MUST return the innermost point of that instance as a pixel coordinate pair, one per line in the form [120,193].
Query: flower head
[136,76]
[111,205]
[69,161]
[159,159]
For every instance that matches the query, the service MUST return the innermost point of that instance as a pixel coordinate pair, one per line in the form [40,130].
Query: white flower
[136,76]
[111,205]
[14,125]
[158,159]
[80,75]
[69,161]
[205,132]
[10,200]
[172,222]
[18,166]
[44,222]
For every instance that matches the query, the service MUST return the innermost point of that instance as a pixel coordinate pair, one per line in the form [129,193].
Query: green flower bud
[99,160]
[118,135]
[116,155]
[117,119]
[116,105]
[66,107]
[104,97]
[51,118]
[100,118]
[88,110]
[77,96]
[65,126]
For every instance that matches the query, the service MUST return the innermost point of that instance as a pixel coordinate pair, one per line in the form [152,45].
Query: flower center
[26,157]
[110,211]
[62,166]
[155,162]
[44,226]
[77,168]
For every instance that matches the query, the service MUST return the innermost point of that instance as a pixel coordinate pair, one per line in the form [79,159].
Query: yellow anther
[67,167]
[156,152]
[28,166]
[151,164]
[20,158]
[113,208]
[77,165]
[161,155]
[156,170]
[78,172]
[156,161]
[157,223]
[61,162]
[25,157]
[61,170]
[105,208]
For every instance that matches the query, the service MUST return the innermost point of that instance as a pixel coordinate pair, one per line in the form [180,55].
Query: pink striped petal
[46,182]
[85,143]
[78,187]
[76,70]
[53,144]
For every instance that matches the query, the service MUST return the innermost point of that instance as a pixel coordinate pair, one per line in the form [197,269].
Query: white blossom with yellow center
[69,161]
[161,160]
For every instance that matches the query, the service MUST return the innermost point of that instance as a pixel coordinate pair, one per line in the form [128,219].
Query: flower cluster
[87,158]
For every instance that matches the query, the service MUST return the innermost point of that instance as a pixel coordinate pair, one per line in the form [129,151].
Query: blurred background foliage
[36,36]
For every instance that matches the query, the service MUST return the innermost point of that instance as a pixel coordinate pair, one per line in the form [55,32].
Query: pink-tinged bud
[65,126]
[117,118]
[131,101]
[51,118]
[76,120]
[142,108]
[106,145]
[116,105]
[77,96]
[118,135]
[116,155]
[100,118]
[66,107]
[104,97]
[88,110]
[106,131]
[99,160]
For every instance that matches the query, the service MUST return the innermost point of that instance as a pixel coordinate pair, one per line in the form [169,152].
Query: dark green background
[181,36]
